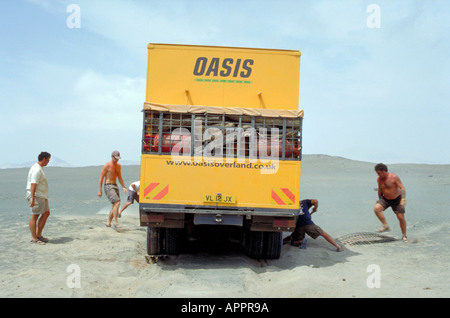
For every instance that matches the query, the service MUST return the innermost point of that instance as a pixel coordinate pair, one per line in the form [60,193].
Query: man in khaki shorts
[305,225]
[110,172]
[37,196]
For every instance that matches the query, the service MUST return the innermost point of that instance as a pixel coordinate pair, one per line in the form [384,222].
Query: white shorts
[40,206]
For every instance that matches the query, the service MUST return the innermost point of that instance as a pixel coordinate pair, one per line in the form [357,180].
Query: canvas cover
[196,109]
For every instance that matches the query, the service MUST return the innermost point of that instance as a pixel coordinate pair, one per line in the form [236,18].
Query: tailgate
[202,183]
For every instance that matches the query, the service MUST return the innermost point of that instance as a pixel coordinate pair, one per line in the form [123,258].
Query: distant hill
[54,162]
[332,162]
[129,163]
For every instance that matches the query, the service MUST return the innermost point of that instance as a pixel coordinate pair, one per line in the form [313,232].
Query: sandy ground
[86,259]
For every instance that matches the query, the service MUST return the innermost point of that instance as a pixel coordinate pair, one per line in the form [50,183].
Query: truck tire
[273,243]
[154,240]
[174,241]
[253,244]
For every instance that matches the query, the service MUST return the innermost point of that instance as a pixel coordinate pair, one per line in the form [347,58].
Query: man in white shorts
[37,196]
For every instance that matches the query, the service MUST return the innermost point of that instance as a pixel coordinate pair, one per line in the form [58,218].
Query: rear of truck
[221,146]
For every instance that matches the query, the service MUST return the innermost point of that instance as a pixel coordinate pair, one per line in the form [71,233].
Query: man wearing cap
[110,172]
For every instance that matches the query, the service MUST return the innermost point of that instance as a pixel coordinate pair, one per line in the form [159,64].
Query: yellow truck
[221,147]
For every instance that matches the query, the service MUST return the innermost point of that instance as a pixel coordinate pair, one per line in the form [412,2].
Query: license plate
[219,198]
[215,219]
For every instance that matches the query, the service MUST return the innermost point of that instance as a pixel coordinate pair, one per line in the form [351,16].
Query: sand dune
[112,264]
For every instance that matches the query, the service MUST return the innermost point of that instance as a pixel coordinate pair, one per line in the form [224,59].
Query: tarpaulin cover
[194,109]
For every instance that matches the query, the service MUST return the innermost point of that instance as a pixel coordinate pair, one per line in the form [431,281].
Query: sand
[113,264]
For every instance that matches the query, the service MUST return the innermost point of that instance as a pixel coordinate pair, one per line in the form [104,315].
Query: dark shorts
[132,195]
[394,204]
[112,192]
[312,230]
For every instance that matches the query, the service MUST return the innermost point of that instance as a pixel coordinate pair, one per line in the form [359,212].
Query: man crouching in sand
[110,172]
[305,225]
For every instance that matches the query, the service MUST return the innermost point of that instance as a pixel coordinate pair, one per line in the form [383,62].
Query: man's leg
[401,219]
[378,209]
[126,205]
[41,223]
[114,208]
[331,240]
[116,211]
[298,235]
[113,213]
[33,221]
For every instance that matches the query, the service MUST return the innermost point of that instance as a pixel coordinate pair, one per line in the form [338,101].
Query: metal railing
[236,136]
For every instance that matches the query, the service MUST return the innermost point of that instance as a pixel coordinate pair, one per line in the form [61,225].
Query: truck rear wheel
[253,244]
[273,243]
[154,240]
[174,241]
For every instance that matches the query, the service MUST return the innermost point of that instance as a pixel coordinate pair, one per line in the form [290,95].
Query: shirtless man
[111,171]
[391,193]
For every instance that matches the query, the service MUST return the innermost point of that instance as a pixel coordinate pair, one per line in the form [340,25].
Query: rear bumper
[255,219]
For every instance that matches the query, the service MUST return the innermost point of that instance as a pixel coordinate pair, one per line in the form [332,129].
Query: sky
[374,74]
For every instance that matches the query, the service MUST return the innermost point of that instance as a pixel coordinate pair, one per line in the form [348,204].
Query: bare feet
[383,229]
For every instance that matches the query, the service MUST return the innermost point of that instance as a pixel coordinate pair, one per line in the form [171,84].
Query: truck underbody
[259,234]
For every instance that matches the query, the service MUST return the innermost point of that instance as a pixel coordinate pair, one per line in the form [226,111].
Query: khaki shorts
[112,192]
[40,205]
[312,230]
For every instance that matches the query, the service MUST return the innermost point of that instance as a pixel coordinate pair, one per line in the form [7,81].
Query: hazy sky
[374,75]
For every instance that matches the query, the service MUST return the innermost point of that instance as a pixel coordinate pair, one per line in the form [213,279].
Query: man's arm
[400,185]
[100,181]
[33,191]
[134,188]
[315,204]
[119,175]
[379,189]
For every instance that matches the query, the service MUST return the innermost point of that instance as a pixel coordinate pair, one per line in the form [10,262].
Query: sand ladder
[363,238]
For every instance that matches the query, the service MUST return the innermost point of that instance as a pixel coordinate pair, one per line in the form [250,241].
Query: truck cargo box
[221,145]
